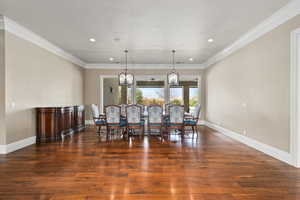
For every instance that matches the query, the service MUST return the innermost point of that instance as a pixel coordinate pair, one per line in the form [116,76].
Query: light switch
[13,104]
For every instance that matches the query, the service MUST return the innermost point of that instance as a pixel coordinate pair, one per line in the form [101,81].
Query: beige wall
[250,90]
[2,88]
[36,77]
[92,81]
[109,97]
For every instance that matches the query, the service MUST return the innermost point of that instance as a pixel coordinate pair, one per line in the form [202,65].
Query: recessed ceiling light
[92,40]
[210,40]
[111,59]
[191,59]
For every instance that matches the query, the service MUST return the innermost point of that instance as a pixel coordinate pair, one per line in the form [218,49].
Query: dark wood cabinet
[54,123]
[79,118]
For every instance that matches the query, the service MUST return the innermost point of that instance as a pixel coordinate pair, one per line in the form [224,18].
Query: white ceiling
[150,29]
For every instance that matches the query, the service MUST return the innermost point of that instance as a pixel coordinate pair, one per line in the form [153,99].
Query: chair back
[95,111]
[176,113]
[113,114]
[155,113]
[196,113]
[133,114]
[123,109]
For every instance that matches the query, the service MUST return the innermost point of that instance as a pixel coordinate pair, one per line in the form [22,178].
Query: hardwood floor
[210,167]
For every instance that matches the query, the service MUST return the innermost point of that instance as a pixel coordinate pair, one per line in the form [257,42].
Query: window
[193,98]
[129,95]
[150,92]
[176,95]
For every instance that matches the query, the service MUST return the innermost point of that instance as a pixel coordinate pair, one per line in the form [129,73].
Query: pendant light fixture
[125,78]
[173,76]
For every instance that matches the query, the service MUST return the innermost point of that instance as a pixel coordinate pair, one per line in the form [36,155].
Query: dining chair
[134,119]
[192,121]
[99,120]
[176,119]
[155,118]
[113,119]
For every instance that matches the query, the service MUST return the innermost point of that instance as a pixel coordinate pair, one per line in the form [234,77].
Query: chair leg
[161,132]
[193,129]
[107,132]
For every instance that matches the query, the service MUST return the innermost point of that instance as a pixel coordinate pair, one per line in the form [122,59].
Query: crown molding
[143,66]
[281,16]
[13,27]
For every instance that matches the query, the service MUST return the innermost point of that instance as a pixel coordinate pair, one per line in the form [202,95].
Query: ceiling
[149,29]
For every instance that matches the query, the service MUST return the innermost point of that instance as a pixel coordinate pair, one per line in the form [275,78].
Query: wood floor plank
[209,167]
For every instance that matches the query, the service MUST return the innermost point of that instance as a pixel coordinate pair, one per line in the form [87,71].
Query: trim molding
[143,66]
[294,97]
[281,16]
[26,34]
[8,148]
[269,150]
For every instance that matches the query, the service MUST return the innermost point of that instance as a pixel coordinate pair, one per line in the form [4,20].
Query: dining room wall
[36,77]
[92,81]
[249,91]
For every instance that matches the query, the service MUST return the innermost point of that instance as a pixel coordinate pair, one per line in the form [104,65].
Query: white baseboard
[2,149]
[8,148]
[269,150]
[201,123]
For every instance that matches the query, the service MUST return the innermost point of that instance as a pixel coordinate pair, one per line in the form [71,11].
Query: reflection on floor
[86,166]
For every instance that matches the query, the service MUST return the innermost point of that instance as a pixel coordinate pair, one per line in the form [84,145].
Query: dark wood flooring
[210,167]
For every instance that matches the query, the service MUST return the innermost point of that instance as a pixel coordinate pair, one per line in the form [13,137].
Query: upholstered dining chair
[176,119]
[192,121]
[155,118]
[99,120]
[134,118]
[113,119]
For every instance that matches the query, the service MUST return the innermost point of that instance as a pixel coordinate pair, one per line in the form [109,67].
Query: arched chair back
[134,118]
[176,114]
[95,111]
[113,114]
[155,118]
[197,111]
[155,113]
[133,114]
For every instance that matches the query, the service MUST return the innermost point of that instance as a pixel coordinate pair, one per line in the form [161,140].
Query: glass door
[176,95]
[150,92]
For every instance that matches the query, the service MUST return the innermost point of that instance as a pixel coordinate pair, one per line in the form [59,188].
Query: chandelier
[125,78]
[173,76]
